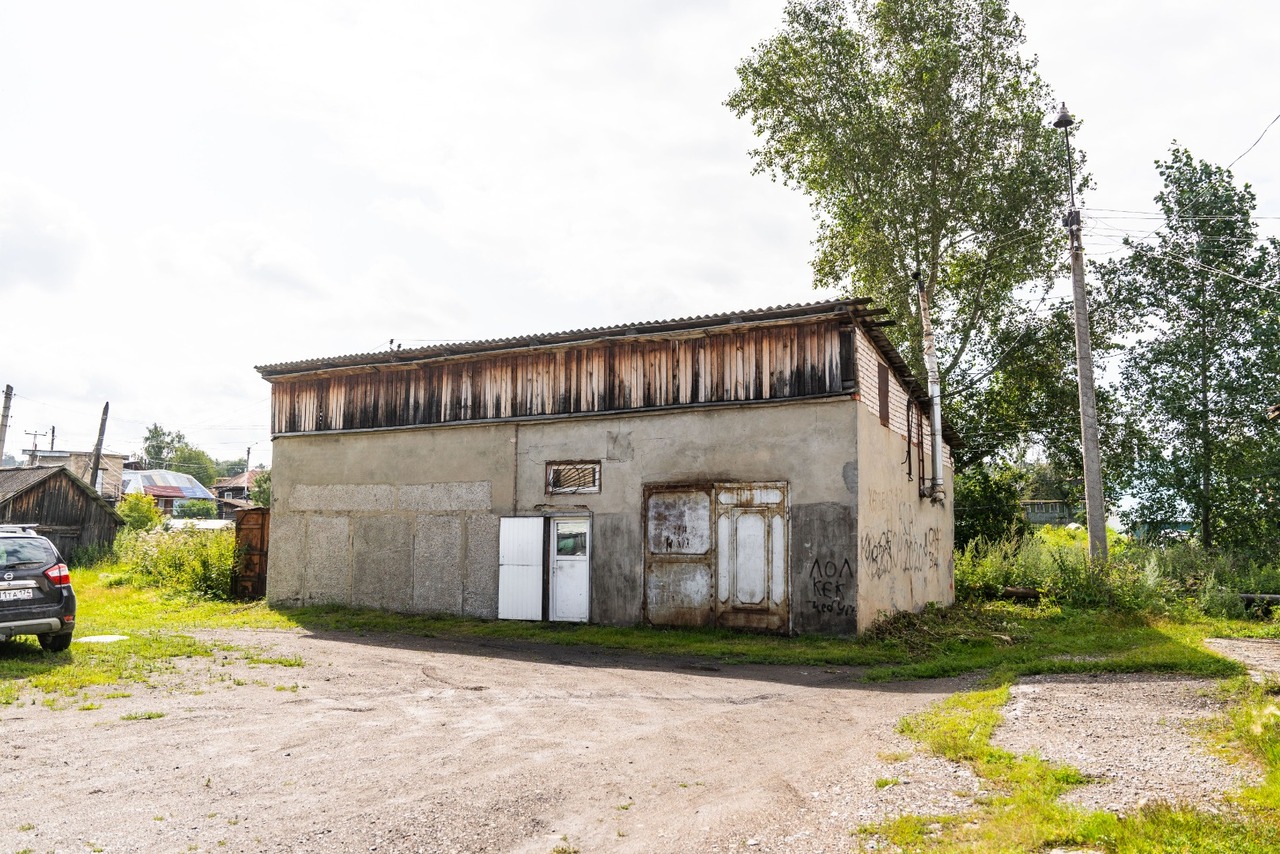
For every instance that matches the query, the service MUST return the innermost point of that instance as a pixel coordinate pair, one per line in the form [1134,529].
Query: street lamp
[1094,504]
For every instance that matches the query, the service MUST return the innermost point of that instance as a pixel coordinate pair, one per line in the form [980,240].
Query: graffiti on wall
[906,546]
[902,551]
[829,584]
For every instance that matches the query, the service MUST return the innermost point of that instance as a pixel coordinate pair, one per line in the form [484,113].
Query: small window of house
[564,478]
[882,374]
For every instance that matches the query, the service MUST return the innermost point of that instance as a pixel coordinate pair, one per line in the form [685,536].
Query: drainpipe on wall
[934,490]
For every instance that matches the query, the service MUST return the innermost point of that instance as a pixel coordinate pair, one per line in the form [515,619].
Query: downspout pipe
[935,490]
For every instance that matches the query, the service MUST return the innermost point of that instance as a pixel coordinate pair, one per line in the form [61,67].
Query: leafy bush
[139,511]
[987,503]
[189,561]
[83,556]
[198,508]
[260,493]
[1157,579]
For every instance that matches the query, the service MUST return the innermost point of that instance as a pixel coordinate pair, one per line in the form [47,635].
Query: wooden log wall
[751,363]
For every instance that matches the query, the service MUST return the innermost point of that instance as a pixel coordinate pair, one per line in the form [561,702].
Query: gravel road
[394,744]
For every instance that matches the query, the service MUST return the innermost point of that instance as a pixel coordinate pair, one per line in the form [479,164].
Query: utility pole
[1094,503]
[4,416]
[35,450]
[97,449]
[53,434]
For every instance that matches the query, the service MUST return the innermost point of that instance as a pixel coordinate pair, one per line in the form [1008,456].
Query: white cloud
[44,239]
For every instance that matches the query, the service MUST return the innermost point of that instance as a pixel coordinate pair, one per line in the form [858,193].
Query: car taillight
[58,575]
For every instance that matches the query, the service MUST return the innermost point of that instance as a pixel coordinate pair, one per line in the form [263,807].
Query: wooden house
[59,505]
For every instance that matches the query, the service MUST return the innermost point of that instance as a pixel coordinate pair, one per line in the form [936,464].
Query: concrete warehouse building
[765,469]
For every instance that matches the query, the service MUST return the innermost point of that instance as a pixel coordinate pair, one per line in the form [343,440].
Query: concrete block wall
[400,520]
[407,520]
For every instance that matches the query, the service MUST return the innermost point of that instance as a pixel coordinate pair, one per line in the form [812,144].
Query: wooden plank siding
[63,509]
[765,362]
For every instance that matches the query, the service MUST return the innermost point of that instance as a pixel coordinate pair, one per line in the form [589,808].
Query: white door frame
[569,576]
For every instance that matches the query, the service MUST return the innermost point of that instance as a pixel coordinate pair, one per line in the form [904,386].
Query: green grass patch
[142,716]
[1002,638]
[153,622]
[1024,811]
[278,661]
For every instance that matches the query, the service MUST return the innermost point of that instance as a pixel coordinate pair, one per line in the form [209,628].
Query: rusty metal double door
[717,554]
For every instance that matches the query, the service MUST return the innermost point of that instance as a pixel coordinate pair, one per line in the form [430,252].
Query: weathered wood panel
[759,363]
[63,512]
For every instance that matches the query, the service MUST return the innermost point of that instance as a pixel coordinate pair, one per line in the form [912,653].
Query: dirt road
[394,744]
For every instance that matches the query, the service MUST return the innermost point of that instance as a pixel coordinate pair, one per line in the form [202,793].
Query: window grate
[573,477]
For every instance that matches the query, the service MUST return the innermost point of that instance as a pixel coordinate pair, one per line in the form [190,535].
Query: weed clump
[1052,565]
[187,561]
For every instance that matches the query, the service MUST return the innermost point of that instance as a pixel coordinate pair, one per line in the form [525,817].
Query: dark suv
[35,589]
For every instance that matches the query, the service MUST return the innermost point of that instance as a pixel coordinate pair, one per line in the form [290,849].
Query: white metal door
[570,554]
[520,568]
[751,555]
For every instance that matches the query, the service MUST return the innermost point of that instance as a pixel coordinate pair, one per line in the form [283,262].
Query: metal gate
[253,530]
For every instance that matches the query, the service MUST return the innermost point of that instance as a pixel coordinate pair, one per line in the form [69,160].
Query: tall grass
[189,561]
[1054,562]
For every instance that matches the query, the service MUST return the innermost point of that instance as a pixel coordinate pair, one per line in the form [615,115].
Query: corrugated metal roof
[244,479]
[389,357]
[162,483]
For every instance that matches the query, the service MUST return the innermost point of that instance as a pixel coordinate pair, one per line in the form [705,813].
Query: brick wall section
[867,360]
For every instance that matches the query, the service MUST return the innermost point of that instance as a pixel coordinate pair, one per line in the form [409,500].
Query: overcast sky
[190,189]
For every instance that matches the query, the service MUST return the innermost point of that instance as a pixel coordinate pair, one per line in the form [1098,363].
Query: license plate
[21,593]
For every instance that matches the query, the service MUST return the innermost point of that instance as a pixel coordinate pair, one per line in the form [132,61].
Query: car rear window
[15,551]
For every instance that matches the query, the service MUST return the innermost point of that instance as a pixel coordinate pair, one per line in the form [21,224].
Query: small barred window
[573,477]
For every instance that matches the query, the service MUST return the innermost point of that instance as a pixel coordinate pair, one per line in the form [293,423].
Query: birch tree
[921,135]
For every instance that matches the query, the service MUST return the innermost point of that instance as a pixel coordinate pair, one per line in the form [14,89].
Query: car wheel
[55,643]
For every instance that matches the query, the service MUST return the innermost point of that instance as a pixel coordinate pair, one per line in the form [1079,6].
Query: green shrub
[198,508]
[188,561]
[139,511]
[1153,579]
[83,556]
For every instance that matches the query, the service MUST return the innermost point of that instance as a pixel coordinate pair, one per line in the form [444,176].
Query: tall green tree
[159,445]
[194,462]
[1202,303]
[920,133]
[229,468]
[988,503]
[260,492]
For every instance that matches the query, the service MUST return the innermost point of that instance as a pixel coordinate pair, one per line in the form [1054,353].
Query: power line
[1255,142]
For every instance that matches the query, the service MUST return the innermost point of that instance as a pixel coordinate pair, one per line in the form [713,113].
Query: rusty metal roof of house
[859,307]
[162,483]
[14,481]
[243,480]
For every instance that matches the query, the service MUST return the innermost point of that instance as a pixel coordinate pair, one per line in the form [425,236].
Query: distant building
[1049,511]
[110,468]
[170,489]
[237,486]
